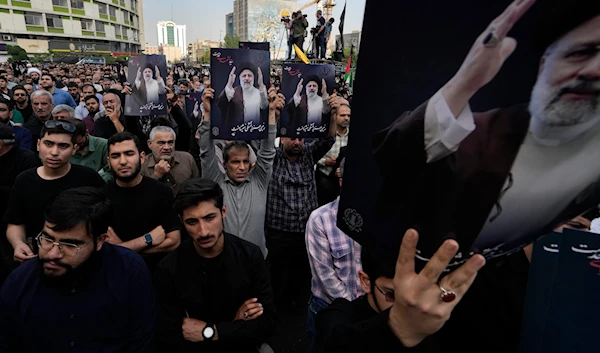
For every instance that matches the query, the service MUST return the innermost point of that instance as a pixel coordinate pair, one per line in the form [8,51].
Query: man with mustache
[42,103]
[507,174]
[308,108]
[214,291]
[80,292]
[144,220]
[244,103]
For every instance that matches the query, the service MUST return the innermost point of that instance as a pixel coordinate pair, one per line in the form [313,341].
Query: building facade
[200,48]
[229,27]
[172,35]
[260,21]
[350,39]
[82,27]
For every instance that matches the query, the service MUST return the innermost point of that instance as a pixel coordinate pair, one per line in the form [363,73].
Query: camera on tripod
[285,19]
[314,30]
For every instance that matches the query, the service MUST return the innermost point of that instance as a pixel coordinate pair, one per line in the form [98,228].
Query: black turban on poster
[246,66]
[313,78]
[559,17]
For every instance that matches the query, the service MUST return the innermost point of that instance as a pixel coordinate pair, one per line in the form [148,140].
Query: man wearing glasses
[80,293]
[36,188]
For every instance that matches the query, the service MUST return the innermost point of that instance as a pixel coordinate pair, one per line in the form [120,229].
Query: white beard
[152,90]
[549,109]
[315,109]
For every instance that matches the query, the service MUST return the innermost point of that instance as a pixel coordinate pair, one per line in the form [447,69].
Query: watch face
[208,332]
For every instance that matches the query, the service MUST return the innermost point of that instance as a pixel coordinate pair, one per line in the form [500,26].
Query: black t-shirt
[14,162]
[321,22]
[31,195]
[27,112]
[140,209]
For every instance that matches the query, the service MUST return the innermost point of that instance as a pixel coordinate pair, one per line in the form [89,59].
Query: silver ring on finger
[447,296]
[245,315]
[491,40]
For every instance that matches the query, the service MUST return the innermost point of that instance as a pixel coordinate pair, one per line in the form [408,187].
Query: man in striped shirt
[334,260]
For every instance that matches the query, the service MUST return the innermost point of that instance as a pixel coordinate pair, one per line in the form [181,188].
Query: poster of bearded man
[146,75]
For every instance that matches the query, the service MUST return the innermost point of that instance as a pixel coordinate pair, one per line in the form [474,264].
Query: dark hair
[377,265]
[83,205]
[2,77]
[90,85]
[125,136]
[49,75]
[66,70]
[87,98]
[80,127]
[332,20]
[195,191]
[72,84]
[106,78]
[56,130]
[8,103]
[19,87]
[234,144]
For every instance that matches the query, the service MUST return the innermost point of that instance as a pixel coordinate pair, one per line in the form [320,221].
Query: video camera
[314,30]
[285,19]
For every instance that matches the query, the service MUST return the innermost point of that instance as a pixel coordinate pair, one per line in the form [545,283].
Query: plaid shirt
[292,192]
[334,257]
[340,141]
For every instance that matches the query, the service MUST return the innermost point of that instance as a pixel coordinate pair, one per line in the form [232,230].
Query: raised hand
[138,77]
[231,78]
[419,310]
[323,88]
[261,84]
[157,73]
[207,96]
[299,87]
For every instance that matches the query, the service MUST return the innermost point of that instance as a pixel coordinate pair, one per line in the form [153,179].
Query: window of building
[34,19]
[62,3]
[113,10]
[131,18]
[124,29]
[118,30]
[77,4]
[99,26]
[87,25]
[102,8]
[54,21]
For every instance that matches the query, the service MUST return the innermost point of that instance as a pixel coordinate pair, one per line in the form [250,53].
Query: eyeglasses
[66,249]
[389,296]
[52,124]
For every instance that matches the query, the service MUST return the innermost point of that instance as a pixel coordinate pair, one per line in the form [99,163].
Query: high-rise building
[260,21]
[72,26]
[170,34]
[229,24]
[350,39]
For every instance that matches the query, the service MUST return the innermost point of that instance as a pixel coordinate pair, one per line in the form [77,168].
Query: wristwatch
[148,239]
[208,332]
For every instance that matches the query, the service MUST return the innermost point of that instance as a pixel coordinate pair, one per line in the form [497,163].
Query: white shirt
[317,106]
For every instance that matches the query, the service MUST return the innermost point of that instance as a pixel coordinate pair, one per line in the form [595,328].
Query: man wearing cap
[486,159]
[245,102]
[308,108]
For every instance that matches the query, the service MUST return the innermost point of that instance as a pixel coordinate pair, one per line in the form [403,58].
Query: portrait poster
[190,101]
[255,45]
[503,167]
[306,89]
[240,78]
[146,75]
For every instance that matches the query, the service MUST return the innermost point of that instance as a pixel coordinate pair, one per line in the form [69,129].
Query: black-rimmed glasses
[66,249]
[389,296]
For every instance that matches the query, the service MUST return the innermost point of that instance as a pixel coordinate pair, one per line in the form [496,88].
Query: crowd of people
[144,234]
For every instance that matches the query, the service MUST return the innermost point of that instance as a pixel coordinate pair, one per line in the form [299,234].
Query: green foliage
[16,53]
[231,42]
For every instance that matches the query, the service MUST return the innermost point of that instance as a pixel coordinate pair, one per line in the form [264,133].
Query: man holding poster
[307,109]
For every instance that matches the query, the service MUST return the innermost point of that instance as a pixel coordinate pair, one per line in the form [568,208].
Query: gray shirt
[246,202]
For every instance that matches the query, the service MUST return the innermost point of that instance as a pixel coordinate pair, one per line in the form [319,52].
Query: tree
[205,58]
[354,56]
[16,53]
[231,42]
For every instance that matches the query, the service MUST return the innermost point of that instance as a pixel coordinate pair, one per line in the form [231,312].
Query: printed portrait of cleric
[247,102]
[146,80]
[508,175]
[306,109]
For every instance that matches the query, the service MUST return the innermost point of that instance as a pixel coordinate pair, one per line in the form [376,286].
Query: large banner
[464,138]
[146,74]
[306,89]
[240,78]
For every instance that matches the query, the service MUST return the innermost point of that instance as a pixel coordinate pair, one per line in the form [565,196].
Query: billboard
[264,24]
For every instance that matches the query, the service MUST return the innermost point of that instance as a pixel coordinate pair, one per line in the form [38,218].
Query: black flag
[342,17]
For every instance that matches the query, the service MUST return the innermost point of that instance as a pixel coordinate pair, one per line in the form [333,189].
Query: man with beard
[80,293]
[111,120]
[213,293]
[22,135]
[308,108]
[92,151]
[292,196]
[34,74]
[149,89]
[43,104]
[21,99]
[509,174]
[36,188]
[92,107]
[166,164]
[81,112]
[48,83]
[144,220]
[245,102]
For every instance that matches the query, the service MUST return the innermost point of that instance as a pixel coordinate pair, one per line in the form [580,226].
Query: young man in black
[144,220]
[214,292]
[36,188]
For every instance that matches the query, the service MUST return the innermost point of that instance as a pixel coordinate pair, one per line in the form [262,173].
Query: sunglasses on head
[53,124]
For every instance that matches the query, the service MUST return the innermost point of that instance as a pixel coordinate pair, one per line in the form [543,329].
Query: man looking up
[48,83]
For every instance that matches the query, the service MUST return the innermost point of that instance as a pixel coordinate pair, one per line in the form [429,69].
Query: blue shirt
[111,309]
[63,97]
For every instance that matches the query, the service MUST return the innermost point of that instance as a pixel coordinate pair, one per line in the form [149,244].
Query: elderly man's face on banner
[247,79]
[147,73]
[312,89]
[567,90]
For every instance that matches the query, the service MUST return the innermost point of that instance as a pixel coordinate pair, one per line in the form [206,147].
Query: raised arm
[266,152]
[208,160]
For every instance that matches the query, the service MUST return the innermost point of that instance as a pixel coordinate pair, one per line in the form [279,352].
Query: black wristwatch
[148,239]
[208,332]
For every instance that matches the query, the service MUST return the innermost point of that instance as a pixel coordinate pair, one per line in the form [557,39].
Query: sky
[205,19]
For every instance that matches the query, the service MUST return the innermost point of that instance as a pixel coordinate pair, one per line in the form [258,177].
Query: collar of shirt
[152,161]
